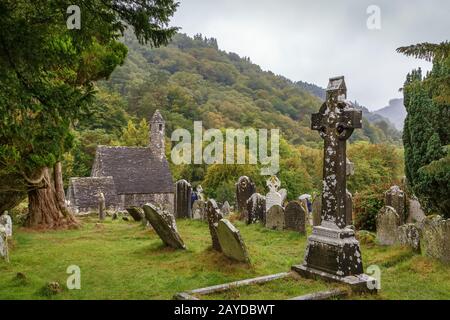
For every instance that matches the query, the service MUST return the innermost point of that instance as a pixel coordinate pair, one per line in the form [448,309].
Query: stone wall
[138,200]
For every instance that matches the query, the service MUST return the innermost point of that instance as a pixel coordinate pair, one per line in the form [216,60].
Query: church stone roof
[83,192]
[135,170]
[157,117]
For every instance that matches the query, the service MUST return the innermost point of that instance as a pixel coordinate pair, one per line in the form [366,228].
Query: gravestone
[3,243]
[275,218]
[256,208]
[348,208]
[6,221]
[415,212]
[101,206]
[136,212]
[387,223]
[213,215]
[317,210]
[273,197]
[396,199]
[409,235]
[244,189]
[283,194]
[436,238]
[163,222]
[226,208]
[200,194]
[231,241]
[198,210]
[183,193]
[295,216]
[333,252]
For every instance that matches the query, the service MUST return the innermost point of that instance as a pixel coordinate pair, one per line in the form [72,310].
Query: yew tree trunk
[46,206]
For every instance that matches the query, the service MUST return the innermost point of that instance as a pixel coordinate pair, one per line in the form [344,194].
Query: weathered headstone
[183,192]
[244,189]
[226,208]
[3,243]
[163,222]
[387,223]
[200,194]
[231,241]
[6,221]
[415,213]
[256,208]
[295,216]
[409,235]
[213,215]
[283,194]
[333,252]
[436,238]
[273,197]
[101,206]
[275,218]
[136,212]
[348,208]
[396,199]
[317,210]
[198,210]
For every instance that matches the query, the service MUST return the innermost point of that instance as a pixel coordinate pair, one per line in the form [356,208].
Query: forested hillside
[191,79]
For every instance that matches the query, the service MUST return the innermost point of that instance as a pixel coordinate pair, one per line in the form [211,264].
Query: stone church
[127,176]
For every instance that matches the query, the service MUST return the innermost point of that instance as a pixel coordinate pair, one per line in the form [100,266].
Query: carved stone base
[334,255]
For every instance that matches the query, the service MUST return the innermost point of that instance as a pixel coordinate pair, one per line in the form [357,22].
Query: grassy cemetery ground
[122,260]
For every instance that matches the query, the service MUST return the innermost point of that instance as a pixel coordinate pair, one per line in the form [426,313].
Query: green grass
[121,260]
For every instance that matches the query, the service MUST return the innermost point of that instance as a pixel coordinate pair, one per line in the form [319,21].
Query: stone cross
[335,122]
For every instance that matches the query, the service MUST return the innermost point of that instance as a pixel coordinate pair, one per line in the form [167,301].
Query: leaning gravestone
[231,241]
[409,235]
[164,224]
[183,191]
[213,215]
[273,197]
[275,218]
[244,189]
[295,216]
[436,238]
[387,223]
[396,199]
[101,206]
[198,210]
[136,212]
[256,209]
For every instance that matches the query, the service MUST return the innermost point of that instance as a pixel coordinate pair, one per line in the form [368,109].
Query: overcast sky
[315,40]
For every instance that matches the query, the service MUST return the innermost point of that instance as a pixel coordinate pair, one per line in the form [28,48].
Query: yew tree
[47,75]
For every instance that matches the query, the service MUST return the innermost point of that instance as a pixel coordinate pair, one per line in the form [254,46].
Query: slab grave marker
[387,223]
[256,208]
[275,218]
[409,235]
[396,198]
[244,189]
[295,216]
[163,222]
[198,210]
[183,191]
[213,215]
[231,241]
[333,252]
